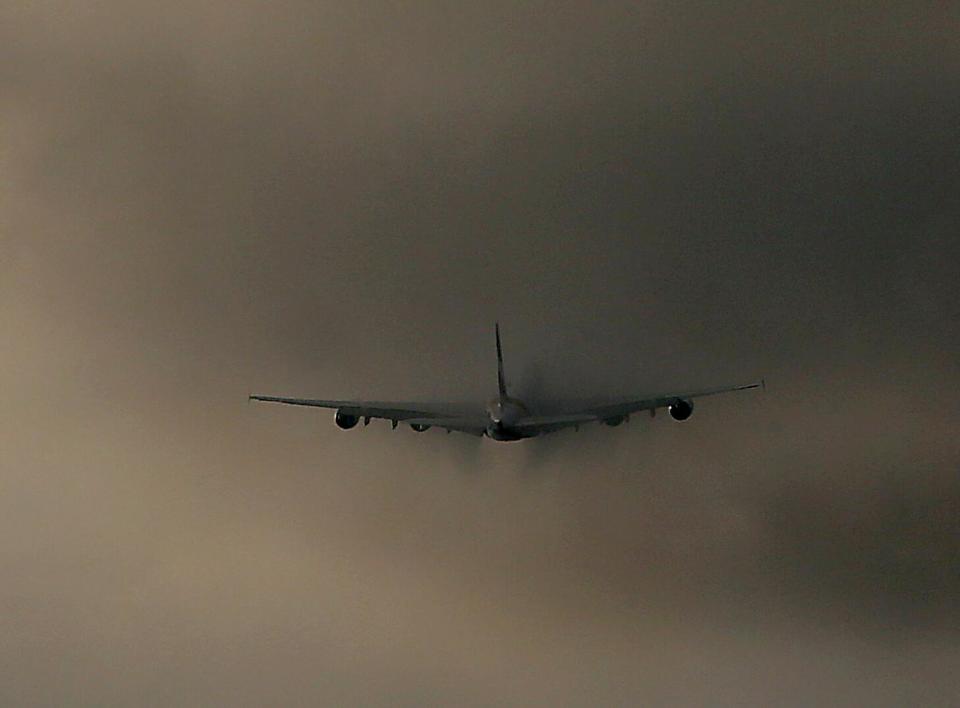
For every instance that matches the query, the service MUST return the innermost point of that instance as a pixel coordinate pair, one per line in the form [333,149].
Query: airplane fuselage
[503,413]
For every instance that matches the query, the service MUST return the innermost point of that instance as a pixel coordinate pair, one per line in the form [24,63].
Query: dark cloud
[339,199]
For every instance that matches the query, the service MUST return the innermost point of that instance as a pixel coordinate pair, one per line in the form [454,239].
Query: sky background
[338,199]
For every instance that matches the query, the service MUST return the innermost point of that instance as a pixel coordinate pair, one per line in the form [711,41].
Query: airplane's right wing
[680,405]
[623,408]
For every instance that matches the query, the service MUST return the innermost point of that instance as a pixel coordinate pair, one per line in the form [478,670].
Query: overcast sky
[338,199]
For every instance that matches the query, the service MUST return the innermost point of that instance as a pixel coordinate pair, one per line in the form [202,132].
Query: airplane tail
[500,380]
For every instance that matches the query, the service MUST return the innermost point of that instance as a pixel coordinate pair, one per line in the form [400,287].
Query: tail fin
[500,380]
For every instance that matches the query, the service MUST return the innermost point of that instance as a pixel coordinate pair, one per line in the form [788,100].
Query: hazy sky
[337,199]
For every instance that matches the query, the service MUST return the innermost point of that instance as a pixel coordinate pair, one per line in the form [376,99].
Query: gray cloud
[340,199]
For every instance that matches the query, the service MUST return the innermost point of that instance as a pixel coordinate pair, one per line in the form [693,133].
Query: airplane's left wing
[419,414]
[472,425]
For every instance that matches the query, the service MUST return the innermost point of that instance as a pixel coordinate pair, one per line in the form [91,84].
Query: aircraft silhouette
[505,418]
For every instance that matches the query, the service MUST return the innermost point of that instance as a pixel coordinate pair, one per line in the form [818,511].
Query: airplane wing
[613,410]
[617,411]
[388,410]
[471,425]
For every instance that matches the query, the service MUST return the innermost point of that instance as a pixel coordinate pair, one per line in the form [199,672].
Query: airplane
[505,418]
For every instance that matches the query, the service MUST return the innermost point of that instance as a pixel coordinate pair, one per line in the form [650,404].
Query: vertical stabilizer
[500,380]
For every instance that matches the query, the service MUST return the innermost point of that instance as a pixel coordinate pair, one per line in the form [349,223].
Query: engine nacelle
[614,421]
[345,421]
[680,409]
[419,427]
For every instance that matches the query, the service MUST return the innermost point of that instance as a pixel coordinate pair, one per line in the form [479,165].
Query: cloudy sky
[338,199]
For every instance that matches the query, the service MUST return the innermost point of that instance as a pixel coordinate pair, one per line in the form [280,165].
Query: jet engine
[345,421]
[681,409]
[615,420]
[419,427]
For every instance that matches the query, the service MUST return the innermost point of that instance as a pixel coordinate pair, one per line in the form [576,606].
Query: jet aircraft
[505,418]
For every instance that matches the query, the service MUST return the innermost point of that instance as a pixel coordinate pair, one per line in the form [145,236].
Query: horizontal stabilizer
[551,421]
